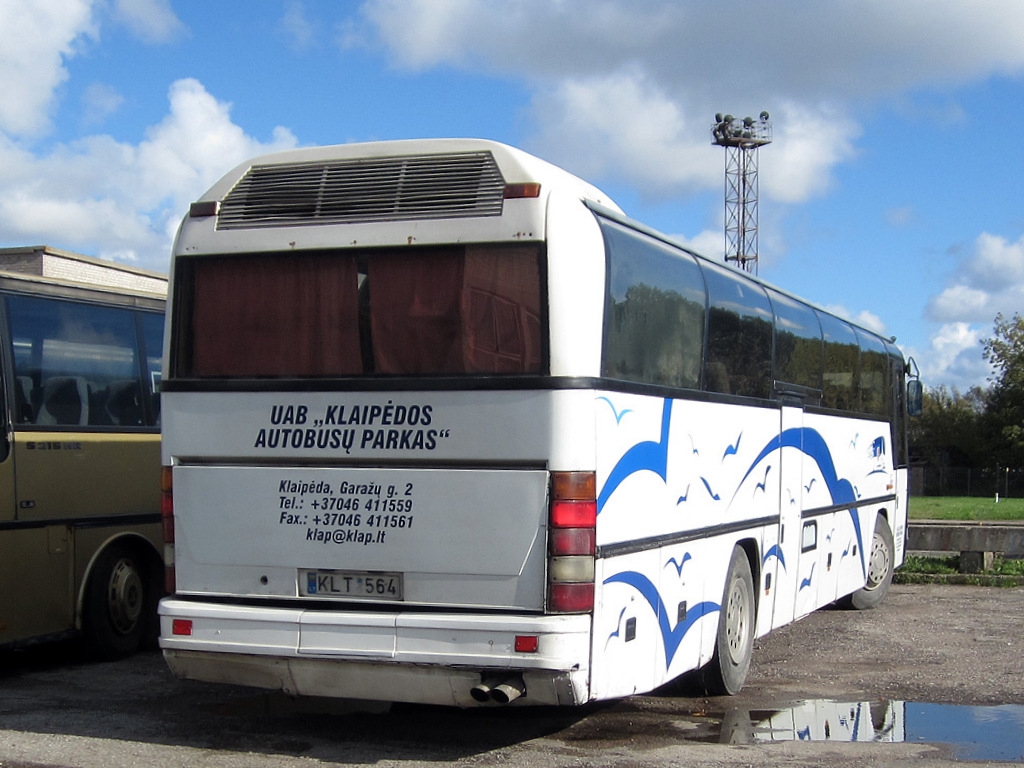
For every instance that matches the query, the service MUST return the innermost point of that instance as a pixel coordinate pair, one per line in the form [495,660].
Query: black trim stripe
[105,521]
[820,511]
[484,384]
[681,537]
[454,384]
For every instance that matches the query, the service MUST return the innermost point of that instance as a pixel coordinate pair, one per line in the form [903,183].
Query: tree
[1005,351]
[951,430]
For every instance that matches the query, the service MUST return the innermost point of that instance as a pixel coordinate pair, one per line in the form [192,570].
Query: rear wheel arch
[118,596]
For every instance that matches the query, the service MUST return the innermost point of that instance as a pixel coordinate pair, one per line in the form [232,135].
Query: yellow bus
[80,540]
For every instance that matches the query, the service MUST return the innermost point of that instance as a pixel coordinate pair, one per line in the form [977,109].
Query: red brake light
[167,504]
[573,514]
[571,598]
[572,542]
[167,525]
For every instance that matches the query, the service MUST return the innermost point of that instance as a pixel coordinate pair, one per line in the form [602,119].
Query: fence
[1008,482]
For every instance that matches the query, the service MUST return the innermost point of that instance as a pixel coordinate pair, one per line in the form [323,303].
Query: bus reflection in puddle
[972,732]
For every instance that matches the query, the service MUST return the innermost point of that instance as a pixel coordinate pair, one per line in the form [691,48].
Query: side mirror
[915,397]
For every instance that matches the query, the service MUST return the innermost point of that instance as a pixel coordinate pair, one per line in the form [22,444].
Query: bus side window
[740,320]
[841,361]
[799,352]
[75,364]
[873,383]
[654,314]
[152,339]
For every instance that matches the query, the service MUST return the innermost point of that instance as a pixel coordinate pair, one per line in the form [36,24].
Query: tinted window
[874,375]
[841,353]
[434,311]
[739,360]
[897,378]
[798,345]
[654,317]
[76,365]
[153,340]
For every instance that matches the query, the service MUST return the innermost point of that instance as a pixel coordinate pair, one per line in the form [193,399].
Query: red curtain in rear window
[501,300]
[415,313]
[449,313]
[292,315]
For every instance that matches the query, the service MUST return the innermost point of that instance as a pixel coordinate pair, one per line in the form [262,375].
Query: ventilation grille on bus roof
[369,189]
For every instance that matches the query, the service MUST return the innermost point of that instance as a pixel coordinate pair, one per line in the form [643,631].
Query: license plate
[358,585]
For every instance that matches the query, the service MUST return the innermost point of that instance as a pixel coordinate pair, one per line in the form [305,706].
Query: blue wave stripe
[648,455]
[671,637]
[810,442]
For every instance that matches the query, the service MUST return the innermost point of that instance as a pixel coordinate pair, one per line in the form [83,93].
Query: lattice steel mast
[741,139]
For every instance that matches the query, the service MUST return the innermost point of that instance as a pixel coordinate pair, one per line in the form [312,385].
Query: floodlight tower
[741,139]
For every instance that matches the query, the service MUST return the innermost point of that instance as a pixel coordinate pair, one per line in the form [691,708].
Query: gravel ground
[944,644]
[938,644]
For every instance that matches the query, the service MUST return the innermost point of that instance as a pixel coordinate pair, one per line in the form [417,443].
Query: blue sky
[890,192]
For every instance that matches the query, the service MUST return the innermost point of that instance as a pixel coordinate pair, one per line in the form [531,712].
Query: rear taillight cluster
[572,542]
[167,518]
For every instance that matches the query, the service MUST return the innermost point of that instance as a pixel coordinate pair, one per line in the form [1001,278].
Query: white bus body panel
[431,658]
[447,489]
[483,547]
[681,482]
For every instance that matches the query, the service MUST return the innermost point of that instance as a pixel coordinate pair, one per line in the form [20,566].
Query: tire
[880,568]
[119,599]
[725,674]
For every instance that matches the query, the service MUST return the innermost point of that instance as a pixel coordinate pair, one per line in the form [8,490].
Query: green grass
[918,564]
[929,570]
[932,565]
[965,508]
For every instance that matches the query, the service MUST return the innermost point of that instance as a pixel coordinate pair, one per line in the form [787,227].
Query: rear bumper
[433,658]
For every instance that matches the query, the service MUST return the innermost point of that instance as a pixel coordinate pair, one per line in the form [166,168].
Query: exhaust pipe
[500,690]
[482,691]
[510,690]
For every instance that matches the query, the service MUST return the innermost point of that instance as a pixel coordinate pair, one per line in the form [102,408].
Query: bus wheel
[116,600]
[727,670]
[880,569]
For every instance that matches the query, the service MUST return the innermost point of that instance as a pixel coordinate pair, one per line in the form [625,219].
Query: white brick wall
[44,261]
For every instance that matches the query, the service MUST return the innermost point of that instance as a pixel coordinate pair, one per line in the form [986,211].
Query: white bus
[442,425]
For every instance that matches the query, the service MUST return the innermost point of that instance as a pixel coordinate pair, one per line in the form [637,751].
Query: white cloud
[624,125]
[990,279]
[40,37]
[100,101]
[152,21]
[864,318]
[37,39]
[901,216]
[997,262]
[954,357]
[117,199]
[809,140]
[106,197]
[821,50]
[707,243]
[629,90]
[296,26]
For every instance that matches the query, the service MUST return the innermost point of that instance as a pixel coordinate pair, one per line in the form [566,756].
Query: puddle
[972,733]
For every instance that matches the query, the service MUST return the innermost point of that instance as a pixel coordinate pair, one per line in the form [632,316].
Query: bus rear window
[411,312]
